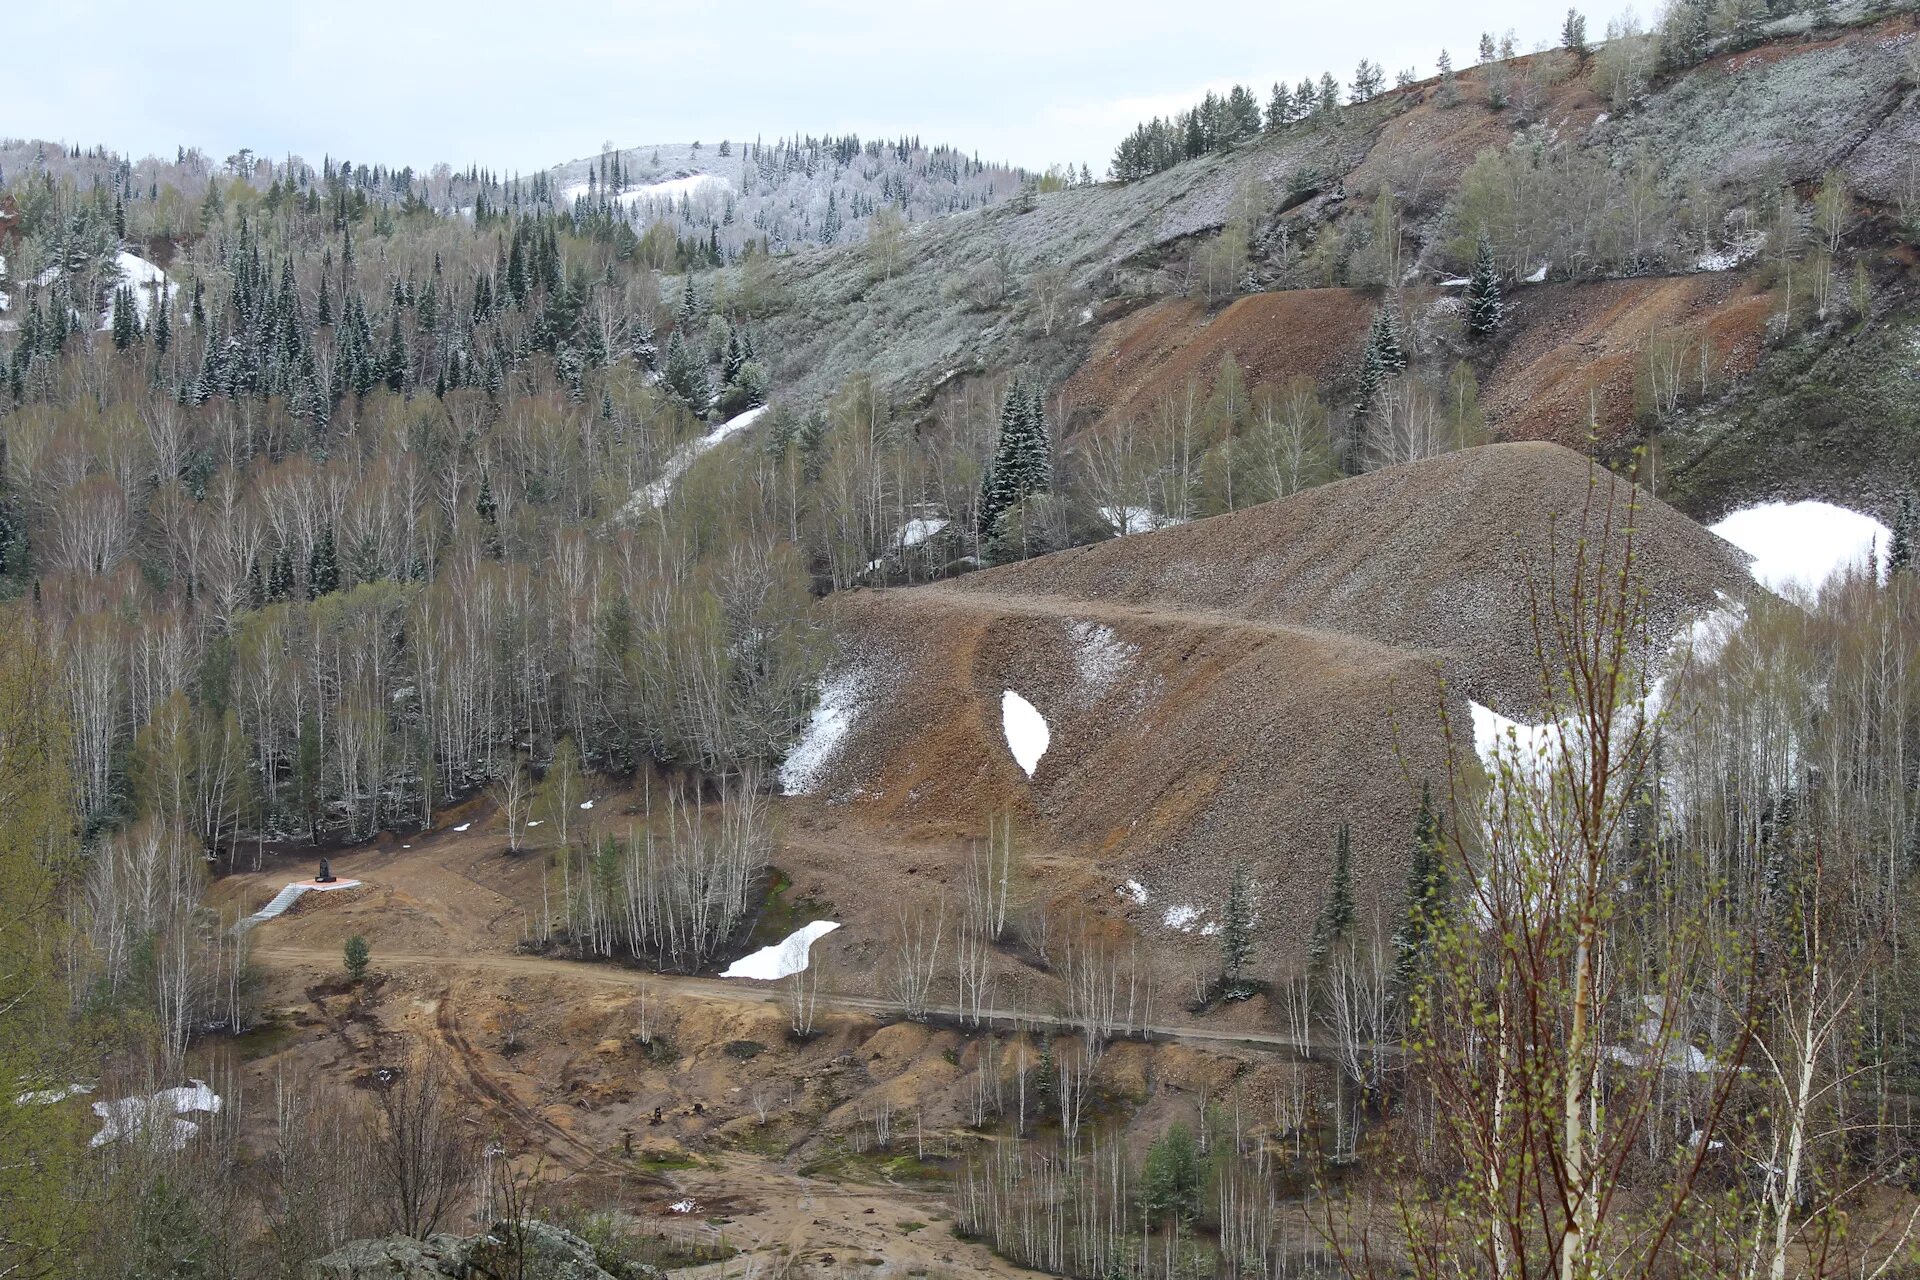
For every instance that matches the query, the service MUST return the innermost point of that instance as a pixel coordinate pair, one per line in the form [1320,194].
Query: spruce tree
[394,367]
[323,566]
[1022,461]
[484,506]
[1426,894]
[1336,909]
[1483,292]
[1385,359]
[1906,525]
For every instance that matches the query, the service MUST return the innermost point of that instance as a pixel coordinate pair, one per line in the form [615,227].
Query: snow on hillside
[840,699]
[656,494]
[784,958]
[1027,734]
[1798,546]
[790,192]
[146,280]
[635,199]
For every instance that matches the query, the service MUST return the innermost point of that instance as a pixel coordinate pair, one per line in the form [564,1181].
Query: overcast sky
[519,86]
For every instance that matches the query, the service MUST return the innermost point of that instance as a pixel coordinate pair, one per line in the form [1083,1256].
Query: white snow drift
[1798,546]
[1026,730]
[788,956]
[160,1112]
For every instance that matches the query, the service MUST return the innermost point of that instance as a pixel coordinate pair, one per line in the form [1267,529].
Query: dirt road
[739,991]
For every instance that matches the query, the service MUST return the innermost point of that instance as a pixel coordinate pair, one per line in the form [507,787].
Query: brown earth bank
[1230,692]
[1568,365]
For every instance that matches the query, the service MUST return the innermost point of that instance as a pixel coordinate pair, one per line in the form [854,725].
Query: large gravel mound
[1231,691]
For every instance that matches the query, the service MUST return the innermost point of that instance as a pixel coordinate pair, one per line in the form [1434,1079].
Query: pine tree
[1236,933]
[1336,910]
[323,566]
[1573,33]
[1426,894]
[1483,292]
[162,324]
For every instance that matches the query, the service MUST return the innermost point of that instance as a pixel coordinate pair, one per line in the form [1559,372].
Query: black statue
[326,873]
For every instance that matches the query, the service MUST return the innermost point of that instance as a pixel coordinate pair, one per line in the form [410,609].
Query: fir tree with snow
[1385,358]
[1022,461]
[1483,292]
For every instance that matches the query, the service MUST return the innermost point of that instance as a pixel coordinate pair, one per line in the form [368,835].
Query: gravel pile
[1233,690]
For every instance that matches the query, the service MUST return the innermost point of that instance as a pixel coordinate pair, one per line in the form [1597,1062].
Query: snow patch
[160,1113]
[1133,891]
[788,956]
[1797,547]
[463,826]
[688,1205]
[586,804]
[1027,734]
[1126,520]
[655,495]
[840,699]
[915,532]
[1539,275]
[1182,917]
[47,1097]
[146,280]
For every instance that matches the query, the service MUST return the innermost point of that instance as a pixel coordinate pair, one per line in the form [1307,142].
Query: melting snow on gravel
[47,1097]
[1026,730]
[786,957]
[839,703]
[1100,656]
[161,1112]
[463,826]
[1133,891]
[1798,546]
[1182,917]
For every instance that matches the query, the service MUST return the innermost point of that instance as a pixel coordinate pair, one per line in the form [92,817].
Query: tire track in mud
[577,1155]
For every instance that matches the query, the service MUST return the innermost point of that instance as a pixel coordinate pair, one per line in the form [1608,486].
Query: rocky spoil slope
[1210,687]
